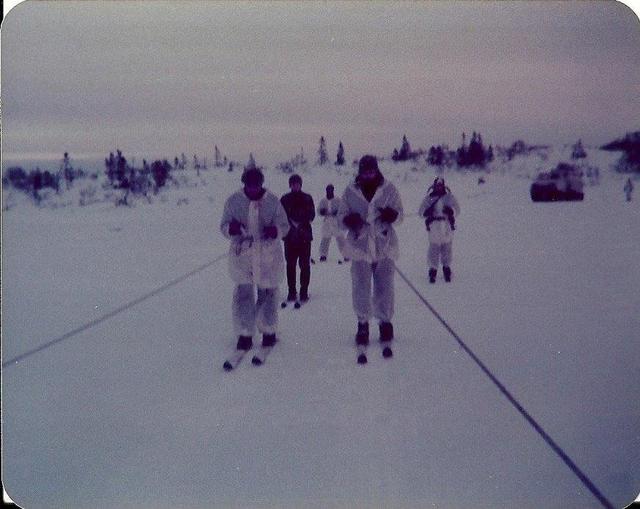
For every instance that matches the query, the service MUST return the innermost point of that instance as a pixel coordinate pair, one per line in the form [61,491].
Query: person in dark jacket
[300,210]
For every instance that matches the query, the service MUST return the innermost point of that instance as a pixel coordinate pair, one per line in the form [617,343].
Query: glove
[323,212]
[353,221]
[388,215]
[270,232]
[235,227]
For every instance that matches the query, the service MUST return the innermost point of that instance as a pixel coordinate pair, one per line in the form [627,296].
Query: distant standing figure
[628,189]
[370,207]
[328,209]
[301,211]
[253,219]
[439,209]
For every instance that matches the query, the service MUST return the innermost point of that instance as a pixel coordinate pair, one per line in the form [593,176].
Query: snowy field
[136,411]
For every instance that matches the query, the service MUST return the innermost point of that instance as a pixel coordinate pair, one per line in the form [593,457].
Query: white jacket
[330,226]
[252,258]
[440,230]
[376,240]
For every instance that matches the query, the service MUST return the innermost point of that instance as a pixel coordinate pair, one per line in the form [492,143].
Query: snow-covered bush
[88,195]
[629,161]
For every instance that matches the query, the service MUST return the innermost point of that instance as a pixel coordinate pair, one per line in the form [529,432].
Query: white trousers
[249,312]
[381,302]
[326,242]
[440,253]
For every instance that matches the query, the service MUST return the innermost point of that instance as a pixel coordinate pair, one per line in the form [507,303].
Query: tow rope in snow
[545,436]
[14,361]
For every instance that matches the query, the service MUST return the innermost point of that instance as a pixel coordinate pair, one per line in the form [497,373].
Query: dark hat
[252,177]
[295,178]
[330,186]
[368,162]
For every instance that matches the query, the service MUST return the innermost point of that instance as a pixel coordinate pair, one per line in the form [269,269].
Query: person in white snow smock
[370,207]
[328,209]
[439,208]
[255,221]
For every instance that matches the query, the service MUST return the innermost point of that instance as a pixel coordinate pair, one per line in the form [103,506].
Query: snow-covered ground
[137,412]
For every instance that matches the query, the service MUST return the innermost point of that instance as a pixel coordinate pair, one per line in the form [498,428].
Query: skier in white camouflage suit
[328,209]
[439,208]
[370,207]
[255,221]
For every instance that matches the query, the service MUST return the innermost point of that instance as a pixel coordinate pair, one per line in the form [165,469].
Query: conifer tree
[252,162]
[340,155]
[405,149]
[67,170]
[322,152]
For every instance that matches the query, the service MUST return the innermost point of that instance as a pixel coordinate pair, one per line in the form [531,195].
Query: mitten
[235,227]
[353,221]
[270,232]
[388,215]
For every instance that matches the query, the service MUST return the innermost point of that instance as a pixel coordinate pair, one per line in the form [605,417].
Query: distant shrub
[16,177]
[32,182]
[160,172]
[578,151]
[292,164]
[630,147]
[405,153]
[520,148]
[88,195]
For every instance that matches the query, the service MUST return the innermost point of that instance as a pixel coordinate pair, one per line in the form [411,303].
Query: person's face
[252,190]
[295,186]
[368,174]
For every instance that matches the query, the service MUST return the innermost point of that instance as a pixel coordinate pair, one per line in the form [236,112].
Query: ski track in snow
[138,408]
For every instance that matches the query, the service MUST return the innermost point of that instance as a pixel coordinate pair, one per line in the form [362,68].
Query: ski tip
[387,353]
[283,305]
[227,366]
[297,305]
[256,361]
[362,359]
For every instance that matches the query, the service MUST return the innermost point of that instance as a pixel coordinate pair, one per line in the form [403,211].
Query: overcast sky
[159,78]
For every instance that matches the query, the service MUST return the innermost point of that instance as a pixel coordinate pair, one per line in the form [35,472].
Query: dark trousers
[299,253]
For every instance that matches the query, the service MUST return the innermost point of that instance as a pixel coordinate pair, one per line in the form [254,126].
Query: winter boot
[304,295]
[386,332]
[244,343]
[432,275]
[362,336]
[268,340]
[293,296]
[447,274]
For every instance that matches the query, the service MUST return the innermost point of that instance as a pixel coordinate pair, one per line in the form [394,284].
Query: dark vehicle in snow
[563,183]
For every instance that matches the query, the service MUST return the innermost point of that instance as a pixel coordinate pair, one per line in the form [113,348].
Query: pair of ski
[387,353]
[258,358]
